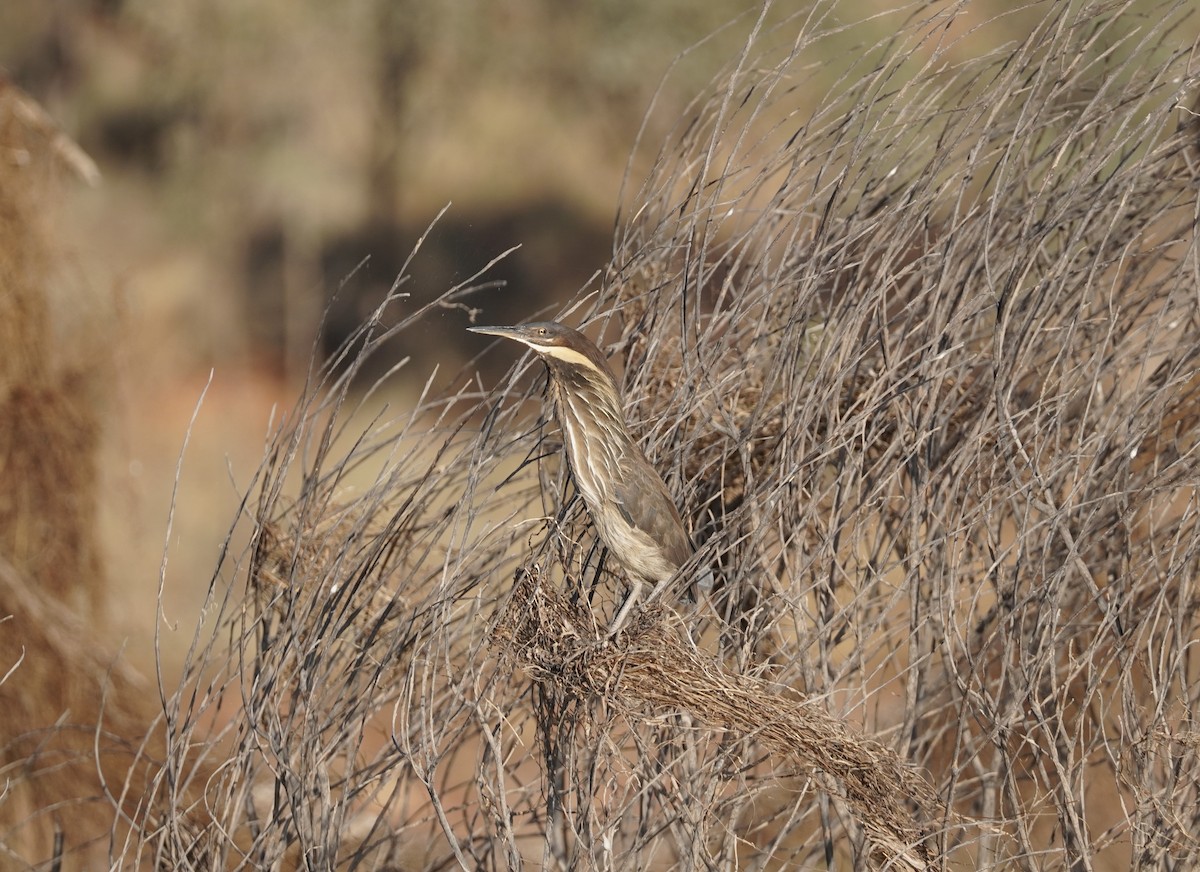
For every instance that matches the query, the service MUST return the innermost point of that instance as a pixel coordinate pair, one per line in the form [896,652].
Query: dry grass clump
[657,668]
[941,418]
[920,365]
[71,720]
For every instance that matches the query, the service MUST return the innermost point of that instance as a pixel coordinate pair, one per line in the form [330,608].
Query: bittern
[629,505]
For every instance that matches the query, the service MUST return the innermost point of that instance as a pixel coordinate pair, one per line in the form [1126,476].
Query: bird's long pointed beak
[494,331]
[517,333]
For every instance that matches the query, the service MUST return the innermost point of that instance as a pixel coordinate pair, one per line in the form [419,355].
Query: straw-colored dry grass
[656,667]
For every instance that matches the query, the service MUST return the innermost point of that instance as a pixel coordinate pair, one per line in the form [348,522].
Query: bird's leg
[658,589]
[631,599]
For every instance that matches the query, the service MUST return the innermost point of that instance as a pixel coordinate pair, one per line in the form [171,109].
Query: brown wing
[643,500]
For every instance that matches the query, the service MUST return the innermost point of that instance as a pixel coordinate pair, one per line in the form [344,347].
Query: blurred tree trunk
[49,396]
[69,716]
[397,57]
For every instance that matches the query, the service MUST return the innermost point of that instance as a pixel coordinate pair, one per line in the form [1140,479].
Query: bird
[626,498]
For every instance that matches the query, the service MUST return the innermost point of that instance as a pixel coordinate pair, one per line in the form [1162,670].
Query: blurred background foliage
[254,154]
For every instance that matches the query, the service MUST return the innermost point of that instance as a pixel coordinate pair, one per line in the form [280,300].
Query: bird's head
[560,346]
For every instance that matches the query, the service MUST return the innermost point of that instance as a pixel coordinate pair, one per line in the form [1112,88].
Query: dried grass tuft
[656,667]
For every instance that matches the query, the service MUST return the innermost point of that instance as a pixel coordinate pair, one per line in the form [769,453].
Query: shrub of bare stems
[919,363]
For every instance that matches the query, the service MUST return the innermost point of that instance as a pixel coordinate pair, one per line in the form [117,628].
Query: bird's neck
[595,434]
